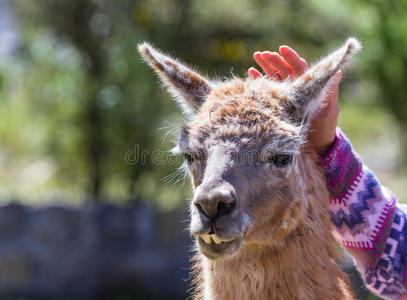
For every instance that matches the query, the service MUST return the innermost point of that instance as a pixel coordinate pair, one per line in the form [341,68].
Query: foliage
[76,97]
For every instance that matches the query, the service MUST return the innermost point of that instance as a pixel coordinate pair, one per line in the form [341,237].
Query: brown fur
[274,239]
[296,261]
[297,265]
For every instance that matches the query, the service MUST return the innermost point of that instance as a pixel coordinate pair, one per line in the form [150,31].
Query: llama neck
[301,267]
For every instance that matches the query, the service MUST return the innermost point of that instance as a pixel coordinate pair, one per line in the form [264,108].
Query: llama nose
[214,202]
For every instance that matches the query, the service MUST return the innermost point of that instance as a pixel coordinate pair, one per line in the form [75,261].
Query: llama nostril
[200,209]
[205,209]
[213,205]
[224,208]
[214,201]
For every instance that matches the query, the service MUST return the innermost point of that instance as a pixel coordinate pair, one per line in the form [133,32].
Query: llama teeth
[211,240]
[216,240]
[206,238]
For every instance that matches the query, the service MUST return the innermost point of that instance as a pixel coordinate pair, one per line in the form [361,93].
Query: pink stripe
[356,180]
[357,245]
[388,209]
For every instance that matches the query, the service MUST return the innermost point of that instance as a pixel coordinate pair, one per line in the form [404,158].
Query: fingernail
[288,48]
[282,47]
[269,55]
[257,54]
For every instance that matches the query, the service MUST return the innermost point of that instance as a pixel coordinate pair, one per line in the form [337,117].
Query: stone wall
[104,252]
[91,253]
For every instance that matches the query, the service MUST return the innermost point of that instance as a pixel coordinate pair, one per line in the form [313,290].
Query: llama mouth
[211,239]
[214,248]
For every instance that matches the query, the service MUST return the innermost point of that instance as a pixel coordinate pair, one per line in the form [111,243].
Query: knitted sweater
[367,221]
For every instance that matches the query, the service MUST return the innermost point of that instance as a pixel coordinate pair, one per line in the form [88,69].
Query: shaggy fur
[262,227]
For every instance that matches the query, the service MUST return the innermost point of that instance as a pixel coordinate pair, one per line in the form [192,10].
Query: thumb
[336,80]
[337,77]
[333,88]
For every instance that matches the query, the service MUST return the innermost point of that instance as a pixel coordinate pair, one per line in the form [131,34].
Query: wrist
[322,151]
[322,144]
[339,147]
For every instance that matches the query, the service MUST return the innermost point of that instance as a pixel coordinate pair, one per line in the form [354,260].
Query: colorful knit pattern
[366,221]
[343,169]
[388,277]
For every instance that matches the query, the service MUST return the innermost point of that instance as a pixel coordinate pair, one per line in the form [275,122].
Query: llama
[259,213]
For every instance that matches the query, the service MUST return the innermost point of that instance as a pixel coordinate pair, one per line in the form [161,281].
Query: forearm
[366,221]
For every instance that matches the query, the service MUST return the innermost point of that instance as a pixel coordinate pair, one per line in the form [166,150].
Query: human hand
[288,63]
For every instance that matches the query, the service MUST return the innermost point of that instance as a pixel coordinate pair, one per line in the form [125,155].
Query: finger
[254,73]
[298,64]
[267,68]
[274,59]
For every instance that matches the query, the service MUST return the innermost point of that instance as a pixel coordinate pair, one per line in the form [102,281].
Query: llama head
[243,142]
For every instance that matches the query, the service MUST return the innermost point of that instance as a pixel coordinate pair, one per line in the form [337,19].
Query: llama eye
[281,160]
[189,158]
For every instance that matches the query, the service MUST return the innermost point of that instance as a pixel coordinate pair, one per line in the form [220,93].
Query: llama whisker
[174,175]
[170,130]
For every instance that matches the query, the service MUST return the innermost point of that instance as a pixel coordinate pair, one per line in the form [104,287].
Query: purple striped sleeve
[366,220]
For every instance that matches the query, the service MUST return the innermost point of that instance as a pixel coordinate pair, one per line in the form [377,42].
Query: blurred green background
[75,96]
[77,102]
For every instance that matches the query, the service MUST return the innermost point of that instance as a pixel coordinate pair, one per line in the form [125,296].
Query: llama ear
[308,90]
[188,87]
